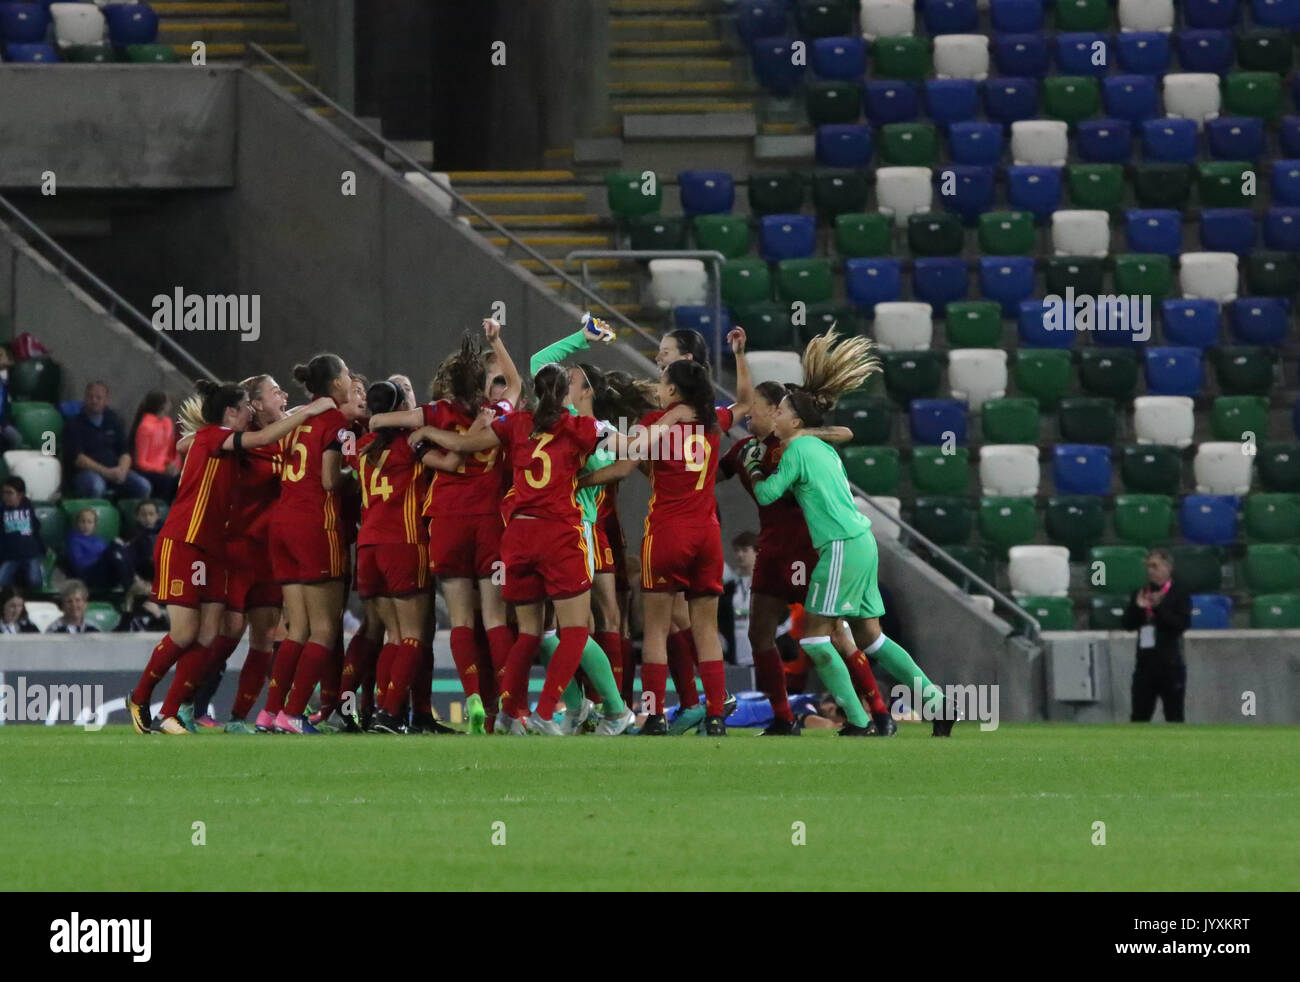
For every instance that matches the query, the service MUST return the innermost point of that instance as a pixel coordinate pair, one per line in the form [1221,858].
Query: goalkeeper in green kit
[843,585]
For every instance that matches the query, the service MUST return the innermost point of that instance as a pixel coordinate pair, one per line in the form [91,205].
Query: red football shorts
[465,545]
[396,569]
[784,575]
[185,575]
[543,558]
[602,555]
[307,554]
[683,559]
[250,581]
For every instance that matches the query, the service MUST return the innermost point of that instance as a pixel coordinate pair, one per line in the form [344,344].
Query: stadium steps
[227,29]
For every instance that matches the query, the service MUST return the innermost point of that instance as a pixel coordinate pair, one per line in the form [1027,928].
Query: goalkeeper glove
[753,458]
[596,329]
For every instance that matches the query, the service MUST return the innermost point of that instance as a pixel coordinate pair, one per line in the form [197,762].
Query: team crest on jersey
[177,587]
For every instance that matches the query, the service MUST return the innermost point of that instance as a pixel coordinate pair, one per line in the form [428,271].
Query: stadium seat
[1258,320]
[868,281]
[1103,141]
[42,472]
[1282,229]
[704,320]
[1079,468]
[902,57]
[1040,141]
[874,470]
[1083,273]
[106,514]
[1052,613]
[902,192]
[786,237]
[54,527]
[911,375]
[884,18]
[1106,611]
[839,58]
[1174,371]
[1272,274]
[884,513]
[1097,187]
[42,613]
[862,234]
[1279,466]
[1211,612]
[91,53]
[151,53]
[935,470]
[1200,567]
[949,16]
[1009,470]
[777,366]
[1083,54]
[972,187]
[1144,519]
[776,193]
[1235,138]
[1081,233]
[629,195]
[1151,469]
[1220,183]
[1108,372]
[1169,140]
[657,232]
[1007,521]
[131,23]
[1269,611]
[1210,13]
[1021,55]
[891,101]
[103,615]
[727,234]
[1204,51]
[1016,16]
[975,143]
[1208,519]
[1034,328]
[976,375]
[1075,521]
[1253,94]
[821,317]
[871,418]
[1013,420]
[1006,233]
[1192,95]
[1008,99]
[939,280]
[978,560]
[1272,517]
[1071,97]
[903,326]
[1285,181]
[1244,369]
[937,421]
[1082,15]
[775,66]
[1132,98]
[1146,15]
[1209,274]
[833,102]
[1041,570]
[1288,136]
[1272,567]
[744,281]
[1227,230]
[1222,468]
[1006,279]
[1240,418]
[35,379]
[1154,230]
[961,56]
[951,100]
[760,18]
[24,23]
[1043,373]
[943,519]
[1088,419]
[1164,420]
[1162,185]
[823,18]
[1276,13]
[973,324]
[37,423]
[844,145]
[807,280]
[1143,53]
[1117,569]
[706,192]
[30,54]
[908,144]
[77,23]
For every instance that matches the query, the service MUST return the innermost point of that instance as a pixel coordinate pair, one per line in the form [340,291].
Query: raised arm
[610,474]
[461,443]
[405,419]
[280,428]
[744,384]
[768,490]
[514,381]
[442,460]
[832,434]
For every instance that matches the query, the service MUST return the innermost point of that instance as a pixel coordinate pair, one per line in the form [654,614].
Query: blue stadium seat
[24,23]
[774,65]
[1008,280]
[1227,230]
[706,192]
[1204,51]
[1103,141]
[1209,519]
[1286,181]
[1131,97]
[1211,612]
[1282,228]
[1034,188]
[130,23]
[1191,322]
[933,418]
[31,53]
[1154,230]
[1081,468]
[976,142]
[1013,16]
[1118,324]
[890,101]
[701,319]
[1024,55]
[871,281]
[840,58]
[1074,54]
[940,280]
[1276,13]
[1259,320]
[844,145]
[1170,139]
[1288,135]
[974,186]
[1009,99]
[786,237]
[951,100]
[1174,371]
[1235,137]
[950,16]
[760,18]
[1144,52]
[1210,13]
[1034,333]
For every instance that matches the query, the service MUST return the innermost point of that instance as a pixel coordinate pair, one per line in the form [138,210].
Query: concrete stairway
[226,28]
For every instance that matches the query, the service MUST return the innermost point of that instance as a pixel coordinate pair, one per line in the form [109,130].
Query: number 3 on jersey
[539,453]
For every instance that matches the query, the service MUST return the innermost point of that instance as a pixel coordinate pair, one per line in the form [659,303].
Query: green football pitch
[1183,807]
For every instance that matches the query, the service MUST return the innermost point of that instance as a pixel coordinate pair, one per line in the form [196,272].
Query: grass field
[1185,808]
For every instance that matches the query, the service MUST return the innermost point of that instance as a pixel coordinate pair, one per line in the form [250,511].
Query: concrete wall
[328,29]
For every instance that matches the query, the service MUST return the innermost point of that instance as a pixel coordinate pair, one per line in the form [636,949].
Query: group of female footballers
[509,503]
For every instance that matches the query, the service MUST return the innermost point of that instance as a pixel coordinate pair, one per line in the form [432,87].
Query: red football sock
[187,678]
[384,669]
[310,665]
[769,673]
[629,670]
[356,663]
[221,649]
[251,679]
[367,691]
[864,682]
[403,666]
[331,678]
[500,640]
[611,642]
[682,666]
[422,686]
[464,652]
[714,676]
[282,672]
[560,671]
[166,653]
[654,683]
[514,688]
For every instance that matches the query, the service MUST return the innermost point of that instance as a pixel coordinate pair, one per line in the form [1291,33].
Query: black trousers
[1158,677]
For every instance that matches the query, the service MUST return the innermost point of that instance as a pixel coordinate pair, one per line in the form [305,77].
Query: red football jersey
[781,525]
[546,465]
[303,499]
[198,515]
[476,488]
[393,486]
[681,480]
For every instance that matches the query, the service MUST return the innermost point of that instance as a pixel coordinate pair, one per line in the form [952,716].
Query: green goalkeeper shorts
[844,582]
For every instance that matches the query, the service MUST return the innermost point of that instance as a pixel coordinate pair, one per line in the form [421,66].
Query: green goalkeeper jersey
[812,471]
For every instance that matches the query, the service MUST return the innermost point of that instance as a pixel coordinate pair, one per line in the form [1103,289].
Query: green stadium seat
[873,469]
[1276,611]
[901,57]
[106,529]
[1007,233]
[1085,274]
[1151,468]
[1076,521]
[34,420]
[54,526]
[1252,94]
[1043,373]
[1122,569]
[1199,569]
[863,234]
[104,616]
[1244,370]
[977,559]
[1272,274]
[1052,613]
[1082,15]
[1162,185]
[1010,420]
[745,281]
[1144,274]
[656,232]
[945,519]
[1110,372]
[151,53]
[911,375]
[936,233]
[936,472]
[973,324]
[824,20]
[1234,416]
[1071,97]
[840,192]
[1272,568]
[1144,519]
[88,53]
[776,194]
[833,102]
[767,325]
[1278,466]
[36,380]
[870,417]
[821,317]
[1219,183]
[1106,611]
[908,144]
[1088,419]
[1006,522]
[808,280]
[629,195]
[1099,186]
[1272,517]
[126,512]
[727,234]
[1264,50]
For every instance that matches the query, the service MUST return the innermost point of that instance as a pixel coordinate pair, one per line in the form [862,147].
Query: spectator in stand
[733,610]
[139,612]
[20,542]
[139,551]
[10,438]
[87,557]
[153,441]
[96,458]
[13,613]
[72,601]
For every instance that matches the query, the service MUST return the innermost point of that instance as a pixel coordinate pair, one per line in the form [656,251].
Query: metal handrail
[608,311]
[113,302]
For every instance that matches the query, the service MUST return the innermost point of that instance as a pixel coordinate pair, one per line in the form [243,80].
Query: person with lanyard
[1160,612]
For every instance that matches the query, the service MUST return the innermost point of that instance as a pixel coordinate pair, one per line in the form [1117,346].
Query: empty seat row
[77,24]
[1210,611]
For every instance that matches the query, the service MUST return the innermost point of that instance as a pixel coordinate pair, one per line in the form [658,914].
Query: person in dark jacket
[13,614]
[21,548]
[97,461]
[1160,612]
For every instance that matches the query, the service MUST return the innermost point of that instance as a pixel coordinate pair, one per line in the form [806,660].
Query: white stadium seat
[678,283]
[883,510]
[42,613]
[982,601]
[77,23]
[887,18]
[441,198]
[1222,468]
[904,325]
[961,56]
[1209,274]
[1042,571]
[1009,469]
[1146,15]
[42,472]
[903,191]
[1166,420]
[1192,95]
[976,375]
[775,366]
[1081,233]
[1045,142]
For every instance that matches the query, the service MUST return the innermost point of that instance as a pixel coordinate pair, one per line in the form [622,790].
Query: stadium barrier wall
[328,28]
